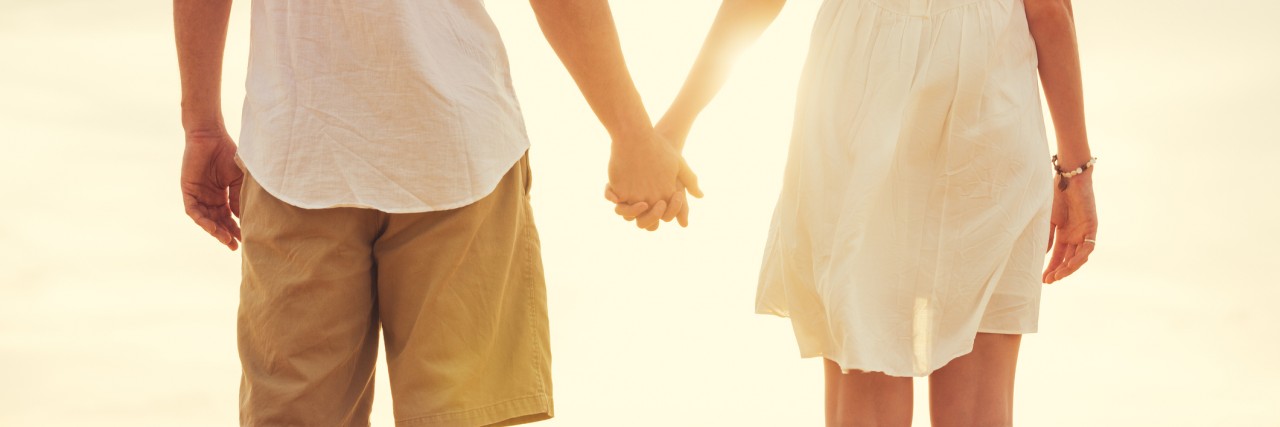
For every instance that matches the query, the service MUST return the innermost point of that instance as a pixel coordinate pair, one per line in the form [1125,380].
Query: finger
[229,224]
[226,214]
[196,212]
[653,216]
[683,217]
[1061,262]
[1053,230]
[1077,260]
[200,214]
[209,227]
[610,195]
[222,225]
[630,211]
[1055,260]
[689,179]
[674,206]
[648,219]
[1053,276]
[218,232]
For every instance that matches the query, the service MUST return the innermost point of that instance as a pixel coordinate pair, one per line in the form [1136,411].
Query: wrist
[676,119]
[1069,159]
[203,124]
[632,139]
[204,132]
[201,113]
[1065,177]
[1080,186]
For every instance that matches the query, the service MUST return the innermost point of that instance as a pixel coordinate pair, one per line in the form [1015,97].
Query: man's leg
[308,332]
[463,306]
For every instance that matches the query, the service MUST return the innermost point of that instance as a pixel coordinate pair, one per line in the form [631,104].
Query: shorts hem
[522,410]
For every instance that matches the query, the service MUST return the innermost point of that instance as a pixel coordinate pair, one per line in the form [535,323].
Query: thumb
[689,179]
[609,194]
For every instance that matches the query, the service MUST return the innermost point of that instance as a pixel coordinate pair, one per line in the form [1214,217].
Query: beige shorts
[459,296]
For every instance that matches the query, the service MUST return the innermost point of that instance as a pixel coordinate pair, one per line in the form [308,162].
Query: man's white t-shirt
[396,105]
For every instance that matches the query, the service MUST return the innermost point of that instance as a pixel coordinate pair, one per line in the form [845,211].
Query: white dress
[915,206]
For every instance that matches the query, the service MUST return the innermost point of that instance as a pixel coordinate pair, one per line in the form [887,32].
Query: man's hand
[643,168]
[210,178]
[211,185]
[649,172]
[673,207]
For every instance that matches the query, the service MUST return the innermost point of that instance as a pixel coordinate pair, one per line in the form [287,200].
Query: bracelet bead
[1062,183]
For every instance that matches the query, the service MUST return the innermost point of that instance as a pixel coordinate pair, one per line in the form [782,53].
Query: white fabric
[396,105]
[915,206]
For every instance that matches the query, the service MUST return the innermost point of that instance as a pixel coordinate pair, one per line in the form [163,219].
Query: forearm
[583,35]
[200,29]
[738,24]
[1053,28]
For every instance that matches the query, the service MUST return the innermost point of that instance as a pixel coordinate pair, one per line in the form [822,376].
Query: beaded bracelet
[1062,183]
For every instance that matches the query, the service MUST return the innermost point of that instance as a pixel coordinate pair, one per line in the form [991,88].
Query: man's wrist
[632,138]
[204,131]
[202,124]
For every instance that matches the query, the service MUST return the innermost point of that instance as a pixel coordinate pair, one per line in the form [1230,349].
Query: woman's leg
[859,398]
[976,389]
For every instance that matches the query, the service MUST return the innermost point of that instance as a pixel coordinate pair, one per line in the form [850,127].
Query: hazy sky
[116,310]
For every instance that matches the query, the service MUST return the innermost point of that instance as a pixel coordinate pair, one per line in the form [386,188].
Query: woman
[918,194]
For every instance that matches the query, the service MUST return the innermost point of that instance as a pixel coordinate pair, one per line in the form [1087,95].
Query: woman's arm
[1054,30]
[1073,226]
[643,168]
[738,24]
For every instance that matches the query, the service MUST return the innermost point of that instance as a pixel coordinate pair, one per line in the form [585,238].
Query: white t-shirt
[395,105]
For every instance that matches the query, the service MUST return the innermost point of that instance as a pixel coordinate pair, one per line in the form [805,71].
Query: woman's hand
[675,207]
[1074,219]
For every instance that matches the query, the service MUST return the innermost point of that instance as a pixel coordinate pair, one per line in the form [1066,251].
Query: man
[382,182]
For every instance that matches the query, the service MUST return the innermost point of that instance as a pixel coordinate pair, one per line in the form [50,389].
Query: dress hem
[945,361]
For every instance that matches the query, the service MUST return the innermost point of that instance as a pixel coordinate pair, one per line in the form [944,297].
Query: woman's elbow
[1048,9]
[758,4]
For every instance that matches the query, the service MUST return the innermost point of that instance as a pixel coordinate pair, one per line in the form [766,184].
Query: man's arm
[200,28]
[738,24]
[584,36]
[644,167]
[210,178]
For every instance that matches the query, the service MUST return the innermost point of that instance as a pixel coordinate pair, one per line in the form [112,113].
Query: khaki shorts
[459,296]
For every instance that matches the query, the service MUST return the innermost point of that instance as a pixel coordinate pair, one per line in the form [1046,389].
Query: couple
[382,187]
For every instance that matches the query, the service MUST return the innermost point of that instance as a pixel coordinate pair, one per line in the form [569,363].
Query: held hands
[1074,219]
[211,185]
[648,181]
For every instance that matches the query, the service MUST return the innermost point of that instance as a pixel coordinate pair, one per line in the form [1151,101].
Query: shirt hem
[489,189]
